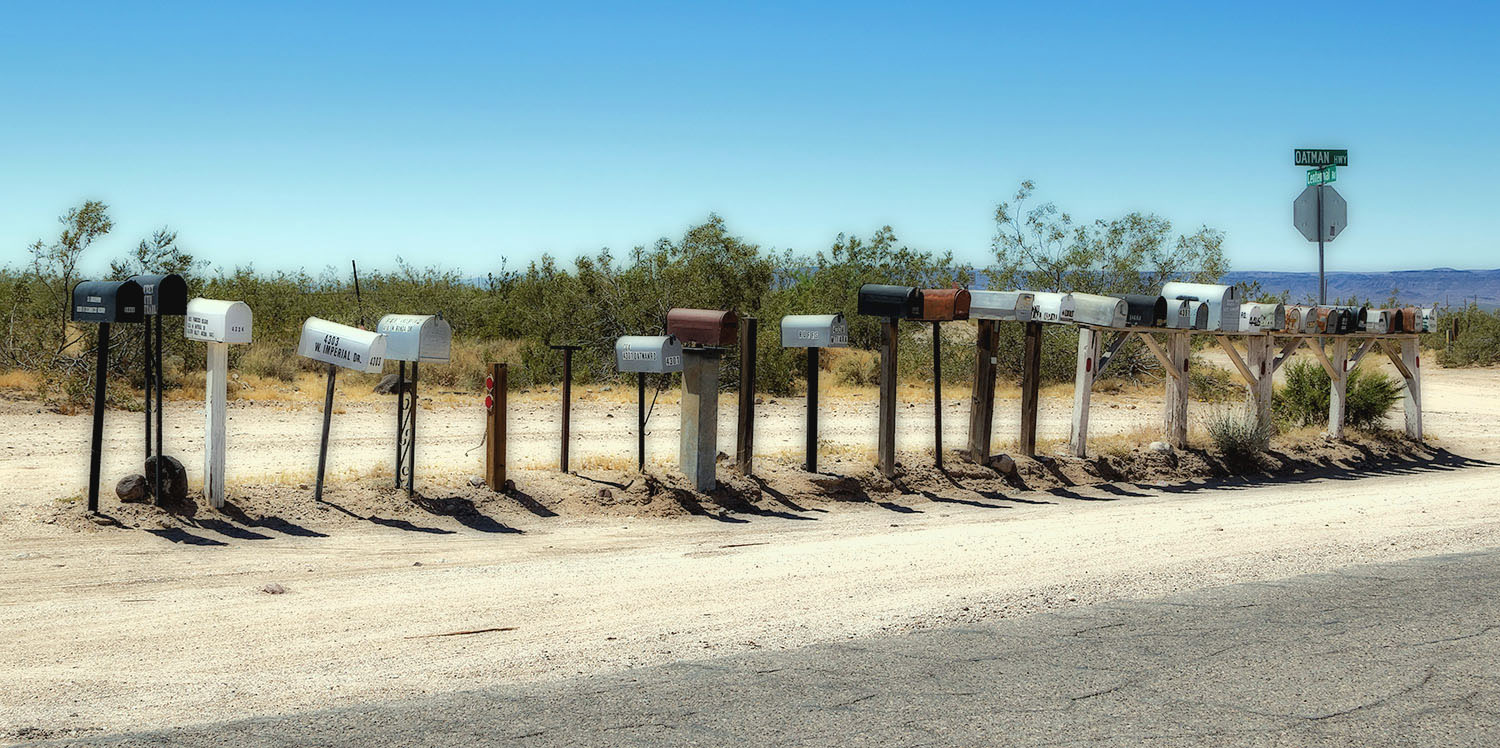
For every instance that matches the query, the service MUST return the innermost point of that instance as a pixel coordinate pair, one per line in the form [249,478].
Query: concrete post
[698,449]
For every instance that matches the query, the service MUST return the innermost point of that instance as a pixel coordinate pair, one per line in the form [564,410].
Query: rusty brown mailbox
[944,304]
[1411,319]
[703,326]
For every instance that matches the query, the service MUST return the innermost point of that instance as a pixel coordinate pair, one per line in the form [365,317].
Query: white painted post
[1338,386]
[1260,348]
[215,394]
[1176,416]
[1411,355]
[1083,387]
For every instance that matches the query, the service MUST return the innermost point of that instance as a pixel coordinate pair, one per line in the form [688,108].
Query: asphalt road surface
[1404,654]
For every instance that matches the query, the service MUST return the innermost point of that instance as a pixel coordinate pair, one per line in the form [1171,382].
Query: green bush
[1303,400]
[1212,384]
[1238,435]
[1478,340]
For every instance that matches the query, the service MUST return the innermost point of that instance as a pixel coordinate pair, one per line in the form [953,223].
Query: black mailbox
[164,294]
[108,301]
[897,302]
[1144,310]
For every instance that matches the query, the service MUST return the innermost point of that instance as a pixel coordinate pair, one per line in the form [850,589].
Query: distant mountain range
[1419,287]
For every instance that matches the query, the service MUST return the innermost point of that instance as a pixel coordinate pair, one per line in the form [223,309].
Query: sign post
[1320,213]
[494,405]
[567,398]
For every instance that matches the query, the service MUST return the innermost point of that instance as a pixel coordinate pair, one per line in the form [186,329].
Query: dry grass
[19,380]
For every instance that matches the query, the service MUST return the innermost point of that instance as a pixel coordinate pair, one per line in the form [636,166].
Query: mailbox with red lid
[706,327]
[704,334]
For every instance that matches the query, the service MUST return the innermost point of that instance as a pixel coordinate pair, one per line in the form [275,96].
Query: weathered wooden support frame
[1031,384]
[982,399]
[1083,387]
[886,449]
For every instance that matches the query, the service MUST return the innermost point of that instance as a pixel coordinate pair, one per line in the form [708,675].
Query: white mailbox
[1051,307]
[1011,306]
[1179,314]
[1223,302]
[1259,317]
[814,331]
[215,321]
[342,345]
[422,338]
[648,354]
[1306,319]
[1102,311]
[1429,320]
[1378,321]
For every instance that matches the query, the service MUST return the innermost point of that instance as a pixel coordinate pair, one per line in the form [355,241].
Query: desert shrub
[1303,400]
[1478,340]
[269,360]
[855,368]
[1212,384]
[1238,434]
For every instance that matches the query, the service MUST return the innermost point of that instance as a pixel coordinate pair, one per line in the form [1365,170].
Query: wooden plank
[1161,356]
[886,451]
[1083,386]
[1239,363]
[1260,362]
[1287,348]
[1394,354]
[1360,353]
[1031,384]
[982,398]
[1338,387]
[1411,363]
[1176,415]
[215,394]
[744,443]
[1317,349]
[494,433]
[1109,352]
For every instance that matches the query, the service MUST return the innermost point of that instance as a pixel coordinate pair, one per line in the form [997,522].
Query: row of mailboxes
[707,327]
[1010,306]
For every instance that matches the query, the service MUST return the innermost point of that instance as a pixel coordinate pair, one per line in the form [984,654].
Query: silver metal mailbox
[648,354]
[1429,320]
[1101,311]
[217,321]
[1051,307]
[814,331]
[1223,302]
[422,338]
[1377,321]
[1306,319]
[1262,317]
[342,345]
[1010,306]
[1179,314]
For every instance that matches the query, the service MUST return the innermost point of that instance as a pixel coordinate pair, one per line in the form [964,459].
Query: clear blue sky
[455,133]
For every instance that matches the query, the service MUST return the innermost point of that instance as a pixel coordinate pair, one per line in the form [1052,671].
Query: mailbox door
[1052,307]
[217,321]
[1199,310]
[164,295]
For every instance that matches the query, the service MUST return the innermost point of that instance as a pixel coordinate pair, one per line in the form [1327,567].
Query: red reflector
[489,384]
[1088,364]
[489,402]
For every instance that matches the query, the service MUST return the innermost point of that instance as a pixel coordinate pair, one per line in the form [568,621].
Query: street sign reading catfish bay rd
[1321,156]
[1305,213]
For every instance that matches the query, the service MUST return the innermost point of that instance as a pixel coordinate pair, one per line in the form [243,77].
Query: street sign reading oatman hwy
[1320,212]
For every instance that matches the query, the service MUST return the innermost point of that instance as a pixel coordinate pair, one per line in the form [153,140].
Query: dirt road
[120,629]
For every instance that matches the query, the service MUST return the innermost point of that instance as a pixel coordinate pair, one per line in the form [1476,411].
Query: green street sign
[1320,157]
[1324,175]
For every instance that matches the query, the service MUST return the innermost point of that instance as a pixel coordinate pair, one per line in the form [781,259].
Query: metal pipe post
[327,421]
[812,409]
[96,442]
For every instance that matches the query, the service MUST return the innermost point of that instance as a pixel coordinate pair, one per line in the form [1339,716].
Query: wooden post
[1175,424]
[1338,386]
[744,443]
[982,400]
[323,441]
[215,393]
[96,441]
[1083,387]
[886,450]
[1411,356]
[567,414]
[698,446]
[937,394]
[1259,348]
[1031,385]
[494,433]
[812,409]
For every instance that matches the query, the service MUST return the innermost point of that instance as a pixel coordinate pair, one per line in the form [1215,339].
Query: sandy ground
[113,628]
